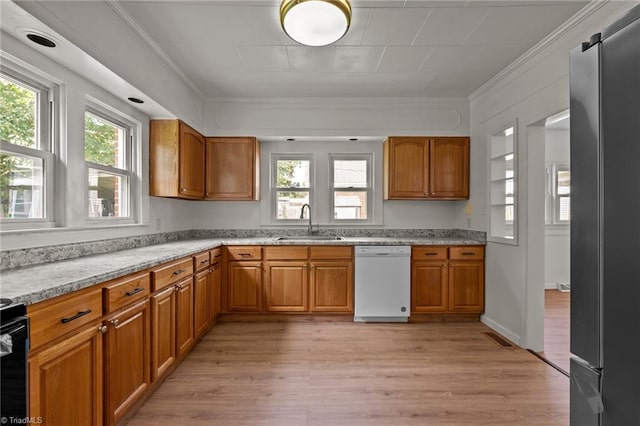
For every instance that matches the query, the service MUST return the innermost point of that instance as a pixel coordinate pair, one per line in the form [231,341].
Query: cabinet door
[286,286]
[231,170]
[163,331]
[449,168]
[244,286]
[429,286]
[466,286]
[201,303]
[406,167]
[65,380]
[331,286]
[184,316]
[214,294]
[127,360]
[191,162]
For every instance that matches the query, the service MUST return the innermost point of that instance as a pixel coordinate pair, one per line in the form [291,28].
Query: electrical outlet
[468,210]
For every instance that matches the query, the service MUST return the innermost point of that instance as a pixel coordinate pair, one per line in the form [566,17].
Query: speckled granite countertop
[40,282]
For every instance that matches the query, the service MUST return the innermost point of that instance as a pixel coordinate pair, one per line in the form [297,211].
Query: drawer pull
[115,322]
[214,268]
[217,256]
[431,254]
[244,254]
[76,316]
[179,271]
[134,291]
[203,262]
[468,253]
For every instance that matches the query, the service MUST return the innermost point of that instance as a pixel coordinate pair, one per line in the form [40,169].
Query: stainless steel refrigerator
[605,226]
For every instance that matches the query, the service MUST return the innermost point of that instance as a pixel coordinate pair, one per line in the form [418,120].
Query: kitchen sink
[308,237]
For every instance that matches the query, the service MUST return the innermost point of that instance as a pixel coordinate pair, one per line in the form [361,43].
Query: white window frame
[274,189]
[368,157]
[552,205]
[131,168]
[493,157]
[45,142]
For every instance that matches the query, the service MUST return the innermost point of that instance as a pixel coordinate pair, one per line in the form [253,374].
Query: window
[292,185]
[558,195]
[503,186]
[351,189]
[26,161]
[108,145]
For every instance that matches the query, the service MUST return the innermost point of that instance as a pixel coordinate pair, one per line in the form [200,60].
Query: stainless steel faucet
[310,229]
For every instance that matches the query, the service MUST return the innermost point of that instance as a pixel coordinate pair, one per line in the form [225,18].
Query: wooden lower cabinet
[163,331]
[215,277]
[451,282]
[430,286]
[65,380]
[244,286]
[184,317]
[201,303]
[331,286]
[127,360]
[286,286]
[466,286]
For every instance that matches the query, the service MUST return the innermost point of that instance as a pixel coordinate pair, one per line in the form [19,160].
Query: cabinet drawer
[125,291]
[201,261]
[331,252]
[244,253]
[171,272]
[466,253]
[429,253]
[286,253]
[215,255]
[50,320]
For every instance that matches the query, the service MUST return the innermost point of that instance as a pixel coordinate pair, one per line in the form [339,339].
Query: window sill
[61,229]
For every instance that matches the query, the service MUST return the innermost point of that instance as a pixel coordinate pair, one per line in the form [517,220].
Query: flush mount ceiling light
[315,22]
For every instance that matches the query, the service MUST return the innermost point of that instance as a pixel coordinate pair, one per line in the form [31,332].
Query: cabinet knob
[102,329]
[115,322]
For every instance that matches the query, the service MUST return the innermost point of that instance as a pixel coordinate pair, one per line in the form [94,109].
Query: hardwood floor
[557,306]
[292,373]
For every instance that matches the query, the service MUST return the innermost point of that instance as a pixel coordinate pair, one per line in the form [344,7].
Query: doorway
[557,213]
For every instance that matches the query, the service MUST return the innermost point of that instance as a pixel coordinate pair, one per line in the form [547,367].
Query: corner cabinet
[176,160]
[420,167]
[232,168]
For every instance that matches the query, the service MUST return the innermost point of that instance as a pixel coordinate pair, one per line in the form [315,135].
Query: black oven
[14,348]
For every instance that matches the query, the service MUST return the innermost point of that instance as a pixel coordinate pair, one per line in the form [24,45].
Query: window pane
[21,187]
[289,204]
[103,142]
[502,221]
[564,182]
[350,205]
[18,114]
[350,173]
[565,209]
[108,195]
[292,173]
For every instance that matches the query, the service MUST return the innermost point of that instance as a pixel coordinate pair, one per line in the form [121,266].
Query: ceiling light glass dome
[315,22]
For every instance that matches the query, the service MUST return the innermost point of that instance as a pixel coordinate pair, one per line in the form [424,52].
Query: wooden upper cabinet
[449,168]
[176,160]
[406,162]
[420,167]
[232,168]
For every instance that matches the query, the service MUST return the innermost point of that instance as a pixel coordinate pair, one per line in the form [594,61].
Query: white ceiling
[401,48]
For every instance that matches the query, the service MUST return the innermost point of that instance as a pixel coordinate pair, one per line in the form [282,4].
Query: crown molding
[516,65]
[333,101]
[131,22]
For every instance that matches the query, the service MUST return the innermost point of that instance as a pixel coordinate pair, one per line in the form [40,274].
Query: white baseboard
[500,329]
[550,286]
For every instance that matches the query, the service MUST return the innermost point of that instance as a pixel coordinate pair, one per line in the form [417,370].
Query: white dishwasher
[383,283]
